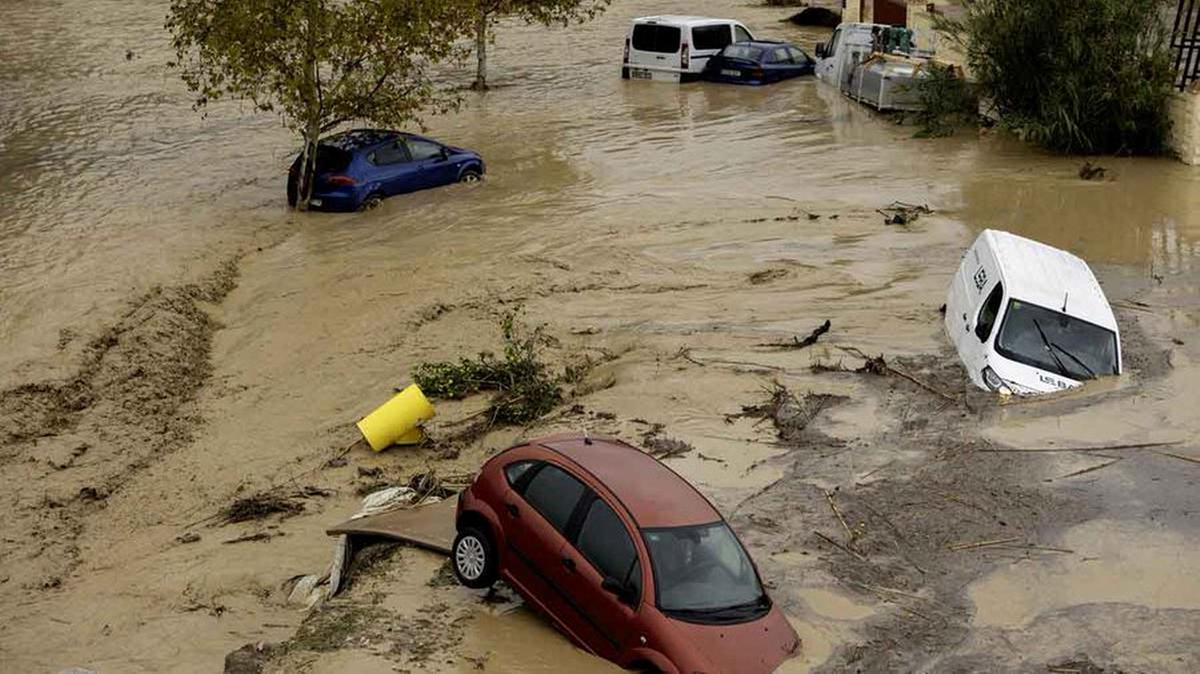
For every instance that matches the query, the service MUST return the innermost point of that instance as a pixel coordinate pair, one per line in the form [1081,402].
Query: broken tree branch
[888,590]
[841,547]
[1091,468]
[981,544]
[1102,448]
[685,352]
[1181,457]
[850,537]
[260,536]
[1039,548]
[880,365]
[797,343]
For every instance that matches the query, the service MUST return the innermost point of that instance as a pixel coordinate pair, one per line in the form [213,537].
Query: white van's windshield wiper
[1049,347]
[1068,354]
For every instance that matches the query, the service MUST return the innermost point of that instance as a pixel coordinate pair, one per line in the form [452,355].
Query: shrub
[1072,75]
[526,388]
[947,101]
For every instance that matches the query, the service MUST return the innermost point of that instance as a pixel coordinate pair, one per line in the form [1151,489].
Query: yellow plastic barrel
[395,422]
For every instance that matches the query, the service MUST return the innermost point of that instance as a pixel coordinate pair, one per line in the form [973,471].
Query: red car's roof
[652,493]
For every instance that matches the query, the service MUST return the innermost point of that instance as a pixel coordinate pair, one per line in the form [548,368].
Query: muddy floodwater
[174,339]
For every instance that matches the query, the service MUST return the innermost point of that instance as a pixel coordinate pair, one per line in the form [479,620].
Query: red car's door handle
[512,509]
[569,563]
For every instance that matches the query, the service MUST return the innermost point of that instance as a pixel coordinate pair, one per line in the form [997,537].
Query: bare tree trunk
[308,165]
[481,23]
[312,127]
[296,183]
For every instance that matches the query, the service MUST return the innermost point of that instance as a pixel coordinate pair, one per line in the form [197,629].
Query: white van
[850,45]
[675,48]
[1029,318]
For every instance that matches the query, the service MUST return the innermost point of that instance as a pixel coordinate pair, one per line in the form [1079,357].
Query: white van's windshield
[1056,342]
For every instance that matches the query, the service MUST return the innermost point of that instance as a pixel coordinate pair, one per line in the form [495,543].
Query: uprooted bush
[260,506]
[526,386]
[1086,76]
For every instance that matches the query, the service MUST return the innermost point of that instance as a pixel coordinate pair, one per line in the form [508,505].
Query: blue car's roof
[763,44]
[356,139]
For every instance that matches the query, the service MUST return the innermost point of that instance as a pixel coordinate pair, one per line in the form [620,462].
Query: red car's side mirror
[624,592]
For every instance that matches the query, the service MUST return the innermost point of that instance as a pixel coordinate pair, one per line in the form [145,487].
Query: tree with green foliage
[546,12]
[318,63]
[1072,75]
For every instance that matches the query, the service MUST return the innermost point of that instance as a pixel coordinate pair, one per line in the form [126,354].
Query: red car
[623,555]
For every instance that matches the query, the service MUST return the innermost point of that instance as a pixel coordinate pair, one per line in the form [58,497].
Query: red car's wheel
[473,557]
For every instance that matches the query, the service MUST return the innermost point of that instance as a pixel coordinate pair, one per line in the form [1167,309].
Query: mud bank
[70,445]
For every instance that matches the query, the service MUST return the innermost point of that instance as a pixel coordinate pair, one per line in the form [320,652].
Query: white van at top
[675,48]
[1029,318]
[850,44]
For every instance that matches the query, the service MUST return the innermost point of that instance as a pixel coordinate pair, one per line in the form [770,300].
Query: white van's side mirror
[820,49]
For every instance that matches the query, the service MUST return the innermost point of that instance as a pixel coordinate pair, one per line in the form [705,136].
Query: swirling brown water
[111,184]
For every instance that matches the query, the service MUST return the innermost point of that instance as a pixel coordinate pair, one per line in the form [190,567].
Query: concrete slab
[427,526]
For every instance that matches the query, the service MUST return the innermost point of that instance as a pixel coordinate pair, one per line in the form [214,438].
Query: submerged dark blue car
[358,169]
[758,62]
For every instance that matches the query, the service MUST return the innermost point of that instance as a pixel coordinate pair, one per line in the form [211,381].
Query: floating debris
[790,413]
[797,343]
[767,275]
[260,506]
[900,213]
[1090,171]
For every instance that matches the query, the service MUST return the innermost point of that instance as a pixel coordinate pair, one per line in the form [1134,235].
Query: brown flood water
[627,216]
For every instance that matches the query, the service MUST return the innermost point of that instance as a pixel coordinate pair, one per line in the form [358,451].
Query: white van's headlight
[994,382]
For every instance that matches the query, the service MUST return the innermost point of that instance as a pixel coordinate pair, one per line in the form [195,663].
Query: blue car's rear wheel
[372,202]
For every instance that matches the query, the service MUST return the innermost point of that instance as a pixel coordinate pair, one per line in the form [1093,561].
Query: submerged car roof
[682,19]
[761,44]
[654,495]
[1047,276]
[355,139]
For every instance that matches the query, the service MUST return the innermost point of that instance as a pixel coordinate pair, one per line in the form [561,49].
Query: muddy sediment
[70,445]
[911,532]
[680,243]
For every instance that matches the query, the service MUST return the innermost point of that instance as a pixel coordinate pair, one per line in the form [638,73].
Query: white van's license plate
[640,74]
[731,73]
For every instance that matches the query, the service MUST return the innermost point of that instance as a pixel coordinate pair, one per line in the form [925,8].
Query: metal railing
[1185,43]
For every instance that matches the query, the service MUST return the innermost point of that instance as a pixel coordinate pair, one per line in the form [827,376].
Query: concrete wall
[852,11]
[920,20]
[1185,125]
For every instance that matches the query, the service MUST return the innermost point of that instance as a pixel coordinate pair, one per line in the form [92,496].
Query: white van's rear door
[654,51]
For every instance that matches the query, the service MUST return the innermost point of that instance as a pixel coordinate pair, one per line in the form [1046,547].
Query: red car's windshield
[702,573]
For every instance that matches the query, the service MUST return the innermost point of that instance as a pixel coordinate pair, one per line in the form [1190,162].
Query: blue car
[358,169]
[758,62]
